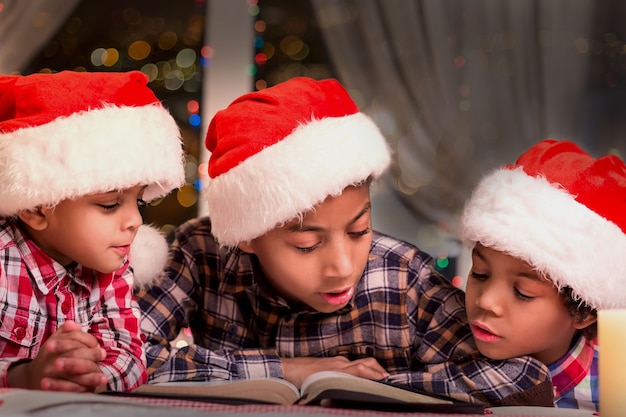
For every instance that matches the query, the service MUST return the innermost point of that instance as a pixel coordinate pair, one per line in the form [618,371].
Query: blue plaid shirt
[403,313]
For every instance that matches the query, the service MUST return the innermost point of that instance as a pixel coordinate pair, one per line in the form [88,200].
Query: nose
[132,217]
[339,259]
[489,297]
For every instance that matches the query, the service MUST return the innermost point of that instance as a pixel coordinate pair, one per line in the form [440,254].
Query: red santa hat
[563,212]
[70,134]
[278,152]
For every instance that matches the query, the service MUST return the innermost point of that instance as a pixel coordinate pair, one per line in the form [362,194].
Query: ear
[584,322]
[35,219]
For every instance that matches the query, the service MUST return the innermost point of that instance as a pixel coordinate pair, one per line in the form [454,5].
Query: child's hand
[295,370]
[67,361]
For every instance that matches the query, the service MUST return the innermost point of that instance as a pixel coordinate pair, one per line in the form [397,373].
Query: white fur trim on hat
[122,147]
[542,224]
[317,160]
[148,256]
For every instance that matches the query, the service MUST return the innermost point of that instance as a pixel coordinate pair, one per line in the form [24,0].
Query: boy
[79,152]
[549,245]
[286,277]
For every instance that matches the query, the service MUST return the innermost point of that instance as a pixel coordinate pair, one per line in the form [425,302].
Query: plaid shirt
[575,376]
[403,314]
[37,295]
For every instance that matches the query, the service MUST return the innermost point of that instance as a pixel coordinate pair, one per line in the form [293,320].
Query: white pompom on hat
[69,134]
[278,152]
[563,212]
[148,256]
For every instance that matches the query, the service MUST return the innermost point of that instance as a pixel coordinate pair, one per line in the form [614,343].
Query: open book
[22,403]
[322,388]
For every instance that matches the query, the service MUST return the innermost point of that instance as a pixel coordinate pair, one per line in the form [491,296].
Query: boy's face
[94,230]
[513,311]
[319,260]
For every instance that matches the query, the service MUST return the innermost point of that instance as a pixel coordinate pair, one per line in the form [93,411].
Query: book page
[267,390]
[340,390]
[315,385]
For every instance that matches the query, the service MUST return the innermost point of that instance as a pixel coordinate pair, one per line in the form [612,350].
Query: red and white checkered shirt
[37,295]
[575,376]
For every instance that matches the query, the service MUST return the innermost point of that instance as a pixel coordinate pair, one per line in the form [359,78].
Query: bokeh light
[97,57]
[167,40]
[269,50]
[193,106]
[150,70]
[191,169]
[260,58]
[260,26]
[187,195]
[195,120]
[139,50]
[260,84]
[442,263]
[174,80]
[207,51]
[110,57]
[458,281]
[186,58]
[259,42]
[253,10]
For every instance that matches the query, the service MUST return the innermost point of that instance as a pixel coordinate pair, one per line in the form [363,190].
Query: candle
[612,362]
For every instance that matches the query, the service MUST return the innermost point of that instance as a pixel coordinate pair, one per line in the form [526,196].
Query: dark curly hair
[580,310]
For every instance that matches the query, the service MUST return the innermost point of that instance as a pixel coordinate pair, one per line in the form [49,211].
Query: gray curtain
[26,26]
[462,86]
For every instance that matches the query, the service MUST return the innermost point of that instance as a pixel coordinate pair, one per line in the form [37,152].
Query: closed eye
[109,207]
[477,276]
[308,249]
[522,296]
[360,233]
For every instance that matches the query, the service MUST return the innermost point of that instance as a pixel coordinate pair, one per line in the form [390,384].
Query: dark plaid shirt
[403,313]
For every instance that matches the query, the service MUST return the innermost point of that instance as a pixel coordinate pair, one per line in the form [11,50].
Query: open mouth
[484,334]
[339,297]
[124,249]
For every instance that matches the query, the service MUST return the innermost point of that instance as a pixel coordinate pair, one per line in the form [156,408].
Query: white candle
[612,362]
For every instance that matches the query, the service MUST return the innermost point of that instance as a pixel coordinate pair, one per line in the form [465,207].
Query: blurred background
[458,87]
